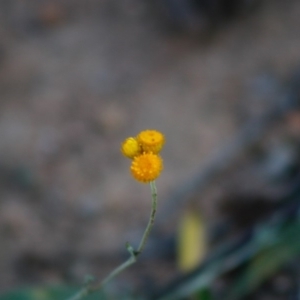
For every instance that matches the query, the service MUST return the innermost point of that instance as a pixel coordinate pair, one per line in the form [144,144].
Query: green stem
[131,260]
[88,289]
[151,219]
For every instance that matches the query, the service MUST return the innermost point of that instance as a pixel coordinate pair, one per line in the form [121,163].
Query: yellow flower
[131,148]
[146,167]
[151,141]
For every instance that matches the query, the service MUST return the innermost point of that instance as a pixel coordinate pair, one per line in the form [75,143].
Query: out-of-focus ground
[76,78]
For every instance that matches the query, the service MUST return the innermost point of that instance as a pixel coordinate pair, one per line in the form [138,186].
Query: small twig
[89,288]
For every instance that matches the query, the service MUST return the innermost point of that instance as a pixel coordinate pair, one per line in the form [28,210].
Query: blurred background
[219,78]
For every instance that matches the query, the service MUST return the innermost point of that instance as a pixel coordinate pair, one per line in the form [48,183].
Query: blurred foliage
[245,262]
[204,294]
[192,242]
[61,293]
[46,293]
[283,246]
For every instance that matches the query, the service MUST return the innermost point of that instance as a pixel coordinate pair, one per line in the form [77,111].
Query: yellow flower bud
[131,148]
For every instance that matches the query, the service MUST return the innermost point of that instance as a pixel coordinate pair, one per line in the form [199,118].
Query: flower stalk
[90,288]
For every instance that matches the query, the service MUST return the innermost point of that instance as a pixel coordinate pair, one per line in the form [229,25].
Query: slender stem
[88,289]
[131,260]
[151,219]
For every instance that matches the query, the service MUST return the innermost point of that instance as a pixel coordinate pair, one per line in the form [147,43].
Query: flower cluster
[144,151]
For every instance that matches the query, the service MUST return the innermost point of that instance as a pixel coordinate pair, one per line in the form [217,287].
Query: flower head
[151,141]
[131,148]
[146,167]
